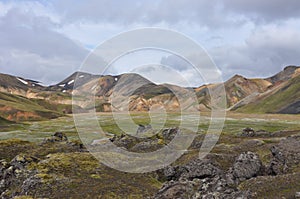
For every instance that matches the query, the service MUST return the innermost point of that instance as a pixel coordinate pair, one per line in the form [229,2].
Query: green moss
[23,197]
[96,176]
[281,186]
[12,147]
[46,178]
[160,141]
[276,101]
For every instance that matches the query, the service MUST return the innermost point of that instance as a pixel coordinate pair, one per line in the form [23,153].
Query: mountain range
[23,99]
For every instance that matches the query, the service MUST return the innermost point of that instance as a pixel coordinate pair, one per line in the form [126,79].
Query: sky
[49,40]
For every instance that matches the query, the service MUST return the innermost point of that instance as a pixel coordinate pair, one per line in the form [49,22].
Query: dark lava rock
[57,137]
[201,169]
[125,141]
[14,173]
[29,184]
[198,179]
[146,146]
[20,161]
[197,168]
[177,190]
[285,156]
[197,142]
[170,133]
[246,166]
[250,132]
[144,129]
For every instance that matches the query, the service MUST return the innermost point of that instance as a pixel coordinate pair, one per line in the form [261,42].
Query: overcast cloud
[48,40]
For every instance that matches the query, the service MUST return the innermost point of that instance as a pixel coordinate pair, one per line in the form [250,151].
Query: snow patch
[81,76]
[64,91]
[116,79]
[23,81]
[70,82]
[93,88]
[62,85]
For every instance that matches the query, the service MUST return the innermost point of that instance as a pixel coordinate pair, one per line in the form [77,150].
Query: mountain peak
[235,78]
[287,73]
[291,67]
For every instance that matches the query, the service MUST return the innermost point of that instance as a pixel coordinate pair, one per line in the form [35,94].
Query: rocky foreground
[253,164]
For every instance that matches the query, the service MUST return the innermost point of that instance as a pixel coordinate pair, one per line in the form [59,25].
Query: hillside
[68,84]
[4,121]
[283,76]
[18,85]
[239,87]
[276,94]
[19,108]
[284,99]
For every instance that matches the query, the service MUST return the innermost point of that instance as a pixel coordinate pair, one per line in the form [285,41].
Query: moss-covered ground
[66,172]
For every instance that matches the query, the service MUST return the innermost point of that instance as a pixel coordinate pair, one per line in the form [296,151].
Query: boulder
[56,137]
[59,136]
[248,132]
[146,146]
[170,133]
[247,165]
[285,155]
[125,141]
[198,179]
[144,129]
[176,189]
[14,173]
[201,169]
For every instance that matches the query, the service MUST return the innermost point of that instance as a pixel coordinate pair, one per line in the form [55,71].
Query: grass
[69,174]
[65,173]
[38,130]
[19,108]
[81,175]
[281,186]
[274,103]
[5,122]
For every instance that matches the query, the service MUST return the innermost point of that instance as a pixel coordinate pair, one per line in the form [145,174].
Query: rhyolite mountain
[22,99]
[18,85]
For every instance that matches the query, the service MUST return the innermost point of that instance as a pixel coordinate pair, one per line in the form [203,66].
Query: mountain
[18,85]
[19,108]
[237,88]
[283,76]
[285,98]
[68,84]
[23,99]
[4,121]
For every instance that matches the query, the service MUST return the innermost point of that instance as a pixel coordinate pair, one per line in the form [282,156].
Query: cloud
[166,74]
[175,62]
[30,47]
[210,13]
[266,51]
[266,11]
[47,40]
[204,12]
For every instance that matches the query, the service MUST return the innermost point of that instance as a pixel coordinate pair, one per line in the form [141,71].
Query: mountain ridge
[243,94]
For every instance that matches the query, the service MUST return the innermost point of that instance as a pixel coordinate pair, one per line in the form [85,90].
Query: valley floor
[35,163]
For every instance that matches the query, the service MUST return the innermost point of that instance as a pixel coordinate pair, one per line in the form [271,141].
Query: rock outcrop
[15,173]
[205,179]
[286,156]
[247,165]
